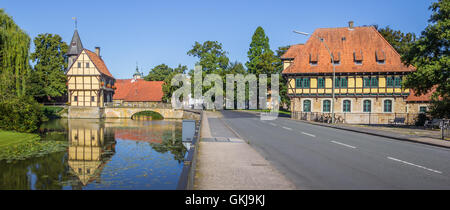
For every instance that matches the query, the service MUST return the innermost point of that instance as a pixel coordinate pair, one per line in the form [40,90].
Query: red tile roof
[99,63]
[358,43]
[425,97]
[152,136]
[138,90]
[292,51]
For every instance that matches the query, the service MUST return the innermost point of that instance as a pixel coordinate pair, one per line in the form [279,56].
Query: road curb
[375,134]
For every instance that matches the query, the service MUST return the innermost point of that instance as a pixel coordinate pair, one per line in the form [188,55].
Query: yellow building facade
[369,76]
[90,84]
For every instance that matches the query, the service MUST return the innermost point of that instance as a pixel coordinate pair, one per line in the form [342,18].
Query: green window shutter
[398,82]
[423,109]
[390,82]
[344,83]
[336,82]
[367,106]
[298,83]
[306,83]
[326,106]
[321,83]
[374,82]
[366,82]
[347,106]
[306,106]
[387,106]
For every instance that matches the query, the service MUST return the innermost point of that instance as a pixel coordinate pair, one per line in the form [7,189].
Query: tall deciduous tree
[165,73]
[48,79]
[430,55]
[159,73]
[14,57]
[212,57]
[399,40]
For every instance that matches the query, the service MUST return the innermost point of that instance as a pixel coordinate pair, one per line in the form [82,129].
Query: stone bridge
[128,112]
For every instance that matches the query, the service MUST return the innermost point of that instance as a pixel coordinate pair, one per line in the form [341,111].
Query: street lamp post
[334,70]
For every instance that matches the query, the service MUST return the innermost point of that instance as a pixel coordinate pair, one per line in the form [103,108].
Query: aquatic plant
[30,146]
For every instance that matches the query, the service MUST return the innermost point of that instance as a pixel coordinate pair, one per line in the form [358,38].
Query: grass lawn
[10,138]
[20,146]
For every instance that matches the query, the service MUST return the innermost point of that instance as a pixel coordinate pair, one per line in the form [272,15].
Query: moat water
[110,154]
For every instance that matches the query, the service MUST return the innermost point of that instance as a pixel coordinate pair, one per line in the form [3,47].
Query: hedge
[21,114]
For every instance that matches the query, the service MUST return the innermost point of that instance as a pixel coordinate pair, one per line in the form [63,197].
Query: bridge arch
[147,114]
[128,112]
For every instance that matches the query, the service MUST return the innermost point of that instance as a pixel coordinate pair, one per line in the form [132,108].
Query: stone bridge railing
[153,105]
[128,112]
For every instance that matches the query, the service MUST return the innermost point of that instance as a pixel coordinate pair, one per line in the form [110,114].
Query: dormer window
[358,57]
[380,56]
[313,59]
[336,58]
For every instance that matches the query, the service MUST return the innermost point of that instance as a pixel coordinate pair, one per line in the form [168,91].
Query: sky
[154,32]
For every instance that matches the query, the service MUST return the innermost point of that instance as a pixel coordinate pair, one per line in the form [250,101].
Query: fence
[358,118]
[445,129]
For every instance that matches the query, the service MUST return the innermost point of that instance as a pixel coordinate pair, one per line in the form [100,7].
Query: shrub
[21,114]
[52,112]
[420,121]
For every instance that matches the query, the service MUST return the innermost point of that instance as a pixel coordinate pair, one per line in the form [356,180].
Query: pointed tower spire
[137,75]
[75,47]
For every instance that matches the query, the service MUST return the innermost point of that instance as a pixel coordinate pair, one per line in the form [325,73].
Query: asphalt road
[316,157]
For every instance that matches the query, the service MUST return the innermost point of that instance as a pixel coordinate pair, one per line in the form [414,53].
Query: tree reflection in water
[92,146]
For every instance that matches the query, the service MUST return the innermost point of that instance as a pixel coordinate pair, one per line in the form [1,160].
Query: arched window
[367,106]
[306,106]
[326,106]
[347,106]
[387,105]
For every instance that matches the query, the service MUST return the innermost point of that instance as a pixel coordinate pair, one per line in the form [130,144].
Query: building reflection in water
[91,146]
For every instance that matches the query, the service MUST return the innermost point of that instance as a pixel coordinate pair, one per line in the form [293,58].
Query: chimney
[351,24]
[97,51]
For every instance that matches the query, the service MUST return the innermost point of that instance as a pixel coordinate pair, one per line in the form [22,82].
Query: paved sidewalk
[394,133]
[226,162]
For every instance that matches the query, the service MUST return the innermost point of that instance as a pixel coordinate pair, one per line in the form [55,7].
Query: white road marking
[412,164]
[309,134]
[287,128]
[345,145]
[273,124]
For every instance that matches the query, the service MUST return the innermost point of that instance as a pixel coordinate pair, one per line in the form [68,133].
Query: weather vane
[76,24]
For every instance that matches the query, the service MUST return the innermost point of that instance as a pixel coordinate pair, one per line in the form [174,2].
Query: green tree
[48,77]
[236,68]
[159,73]
[165,73]
[430,55]
[399,40]
[213,58]
[14,58]
[285,100]
[261,58]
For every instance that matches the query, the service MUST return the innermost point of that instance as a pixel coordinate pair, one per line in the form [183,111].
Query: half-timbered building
[90,84]
[368,71]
